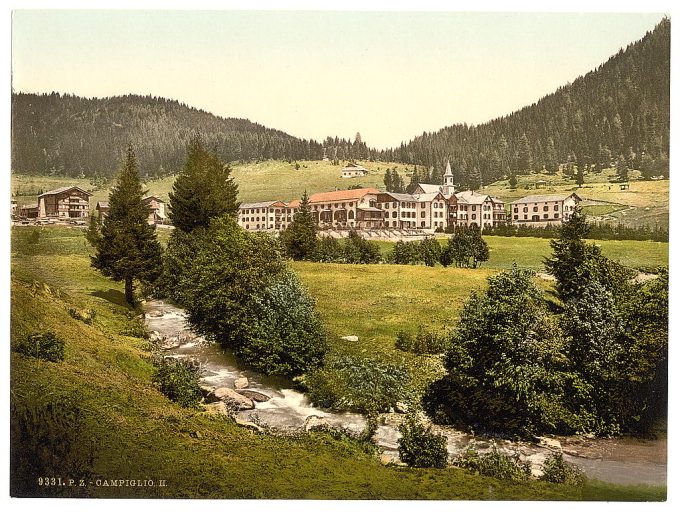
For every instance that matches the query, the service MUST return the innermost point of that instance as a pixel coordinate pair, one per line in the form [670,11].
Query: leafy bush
[430,251]
[494,464]
[505,364]
[287,336]
[46,346]
[405,252]
[135,327]
[328,249]
[178,380]
[87,316]
[558,471]
[358,250]
[419,447]
[357,384]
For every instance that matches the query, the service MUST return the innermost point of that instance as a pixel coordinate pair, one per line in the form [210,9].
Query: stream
[625,461]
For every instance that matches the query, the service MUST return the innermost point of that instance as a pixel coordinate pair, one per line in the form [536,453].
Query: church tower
[448,188]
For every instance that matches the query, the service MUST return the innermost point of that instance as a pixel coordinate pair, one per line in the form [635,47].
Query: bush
[287,336]
[45,346]
[328,249]
[87,316]
[405,252]
[135,327]
[558,471]
[494,464]
[419,447]
[358,385]
[358,250]
[178,380]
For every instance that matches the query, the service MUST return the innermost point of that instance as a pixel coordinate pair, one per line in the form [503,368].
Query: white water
[624,461]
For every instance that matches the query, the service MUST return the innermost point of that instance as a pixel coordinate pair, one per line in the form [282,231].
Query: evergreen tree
[299,239]
[579,176]
[525,162]
[202,191]
[621,169]
[513,181]
[127,248]
[387,179]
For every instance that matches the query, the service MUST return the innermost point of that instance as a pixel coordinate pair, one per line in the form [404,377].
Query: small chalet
[65,202]
[102,209]
[156,210]
[29,211]
[353,170]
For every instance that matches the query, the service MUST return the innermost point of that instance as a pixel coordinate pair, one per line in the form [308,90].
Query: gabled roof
[152,197]
[294,204]
[429,188]
[262,205]
[547,198]
[63,190]
[428,197]
[353,167]
[343,194]
[472,197]
[102,205]
[400,197]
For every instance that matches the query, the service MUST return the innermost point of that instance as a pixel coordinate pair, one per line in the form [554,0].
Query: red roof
[345,194]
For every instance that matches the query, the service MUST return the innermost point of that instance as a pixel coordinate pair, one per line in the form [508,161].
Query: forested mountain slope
[621,108]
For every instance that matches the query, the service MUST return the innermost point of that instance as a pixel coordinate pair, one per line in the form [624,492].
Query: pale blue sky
[390,76]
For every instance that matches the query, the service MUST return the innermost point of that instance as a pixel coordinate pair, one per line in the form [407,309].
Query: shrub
[87,316]
[404,341]
[494,464]
[178,380]
[286,336]
[46,346]
[419,447]
[328,249]
[558,471]
[405,252]
[135,327]
[357,384]
[430,251]
[358,250]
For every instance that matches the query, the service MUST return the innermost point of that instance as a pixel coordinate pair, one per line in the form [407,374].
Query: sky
[388,75]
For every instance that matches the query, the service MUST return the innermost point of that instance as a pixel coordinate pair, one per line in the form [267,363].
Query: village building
[14,208]
[400,210]
[473,209]
[543,210]
[29,211]
[65,202]
[264,216]
[156,210]
[350,208]
[102,209]
[353,170]
[432,210]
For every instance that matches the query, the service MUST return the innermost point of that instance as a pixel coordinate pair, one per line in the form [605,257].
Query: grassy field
[645,203]
[137,432]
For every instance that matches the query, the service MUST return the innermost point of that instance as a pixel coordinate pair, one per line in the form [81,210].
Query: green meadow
[136,432]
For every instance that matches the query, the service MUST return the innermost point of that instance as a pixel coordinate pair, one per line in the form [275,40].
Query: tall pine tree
[299,239]
[127,248]
[203,190]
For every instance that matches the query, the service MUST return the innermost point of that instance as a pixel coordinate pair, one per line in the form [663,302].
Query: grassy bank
[137,433]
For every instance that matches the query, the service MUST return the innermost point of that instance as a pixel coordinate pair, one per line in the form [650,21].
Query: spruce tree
[622,169]
[202,191]
[127,248]
[299,239]
[524,154]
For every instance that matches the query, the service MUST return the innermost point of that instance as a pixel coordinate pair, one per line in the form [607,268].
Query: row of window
[545,216]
